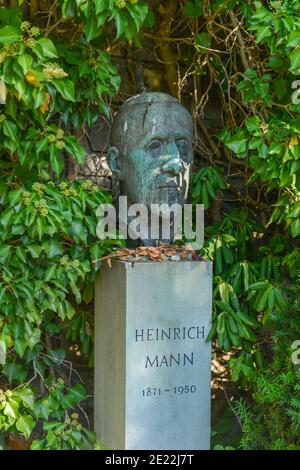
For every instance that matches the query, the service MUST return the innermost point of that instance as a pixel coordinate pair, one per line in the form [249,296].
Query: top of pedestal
[182,261]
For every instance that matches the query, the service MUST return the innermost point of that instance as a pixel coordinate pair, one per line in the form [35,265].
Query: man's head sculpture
[151,149]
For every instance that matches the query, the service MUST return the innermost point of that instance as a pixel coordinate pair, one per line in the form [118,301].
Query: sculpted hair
[131,116]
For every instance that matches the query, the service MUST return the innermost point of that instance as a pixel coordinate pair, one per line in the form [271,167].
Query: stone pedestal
[152,364]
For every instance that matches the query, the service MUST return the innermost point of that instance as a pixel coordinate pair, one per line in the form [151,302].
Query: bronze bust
[151,149]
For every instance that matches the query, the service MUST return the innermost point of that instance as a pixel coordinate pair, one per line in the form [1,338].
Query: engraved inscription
[174,334]
[178,333]
[179,359]
[178,390]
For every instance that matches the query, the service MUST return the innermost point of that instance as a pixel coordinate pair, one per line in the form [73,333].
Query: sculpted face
[151,149]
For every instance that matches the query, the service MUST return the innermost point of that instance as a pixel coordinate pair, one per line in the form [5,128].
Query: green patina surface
[151,149]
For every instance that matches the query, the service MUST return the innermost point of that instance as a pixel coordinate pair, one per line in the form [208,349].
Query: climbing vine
[61,65]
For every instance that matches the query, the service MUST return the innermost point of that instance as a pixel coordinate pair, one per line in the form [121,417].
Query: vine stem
[230,405]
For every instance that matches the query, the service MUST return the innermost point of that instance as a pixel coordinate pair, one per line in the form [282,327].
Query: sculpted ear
[114,161]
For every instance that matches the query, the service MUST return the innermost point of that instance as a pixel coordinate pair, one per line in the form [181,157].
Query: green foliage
[248,288]
[252,267]
[205,185]
[247,283]
[56,76]
[193,8]
[40,84]
[46,79]
[64,432]
[47,253]
[220,447]
[20,412]
[273,421]
[16,409]
[270,142]
[65,435]
[251,434]
[50,87]
[128,16]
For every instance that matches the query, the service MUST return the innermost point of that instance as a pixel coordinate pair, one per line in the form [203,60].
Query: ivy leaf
[2,352]
[252,123]
[78,393]
[9,34]
[42,145]
[121,23]
[25,425]
[6,217]
[203,40]
[35,250]
[3,92]
[4,253]
[20,346]
[25,60]
[100,6]
[70,311]
[250,73]
[39,97]
[295,228]
[34,338]
[65,88]
[275,148]
[20,252]
[55,160]
[263,32]
[50,272]
[138,13]
[14,196]
[27,397]
[46,47]
[41,410]
[52,248]
[237,144]
[86,7]
[11,409]
[68,401]
[75,149]
[295,61]
[10,130]
[58,355]
[295,212]
[90,28]
[39,228]
[149,20]
[78,230]
[293,39]
[192,9]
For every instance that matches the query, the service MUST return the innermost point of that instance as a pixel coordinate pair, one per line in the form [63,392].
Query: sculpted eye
[154,146]
[185,149]
[182,143]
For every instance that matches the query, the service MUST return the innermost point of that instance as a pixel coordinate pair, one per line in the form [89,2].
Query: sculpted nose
[173,163]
